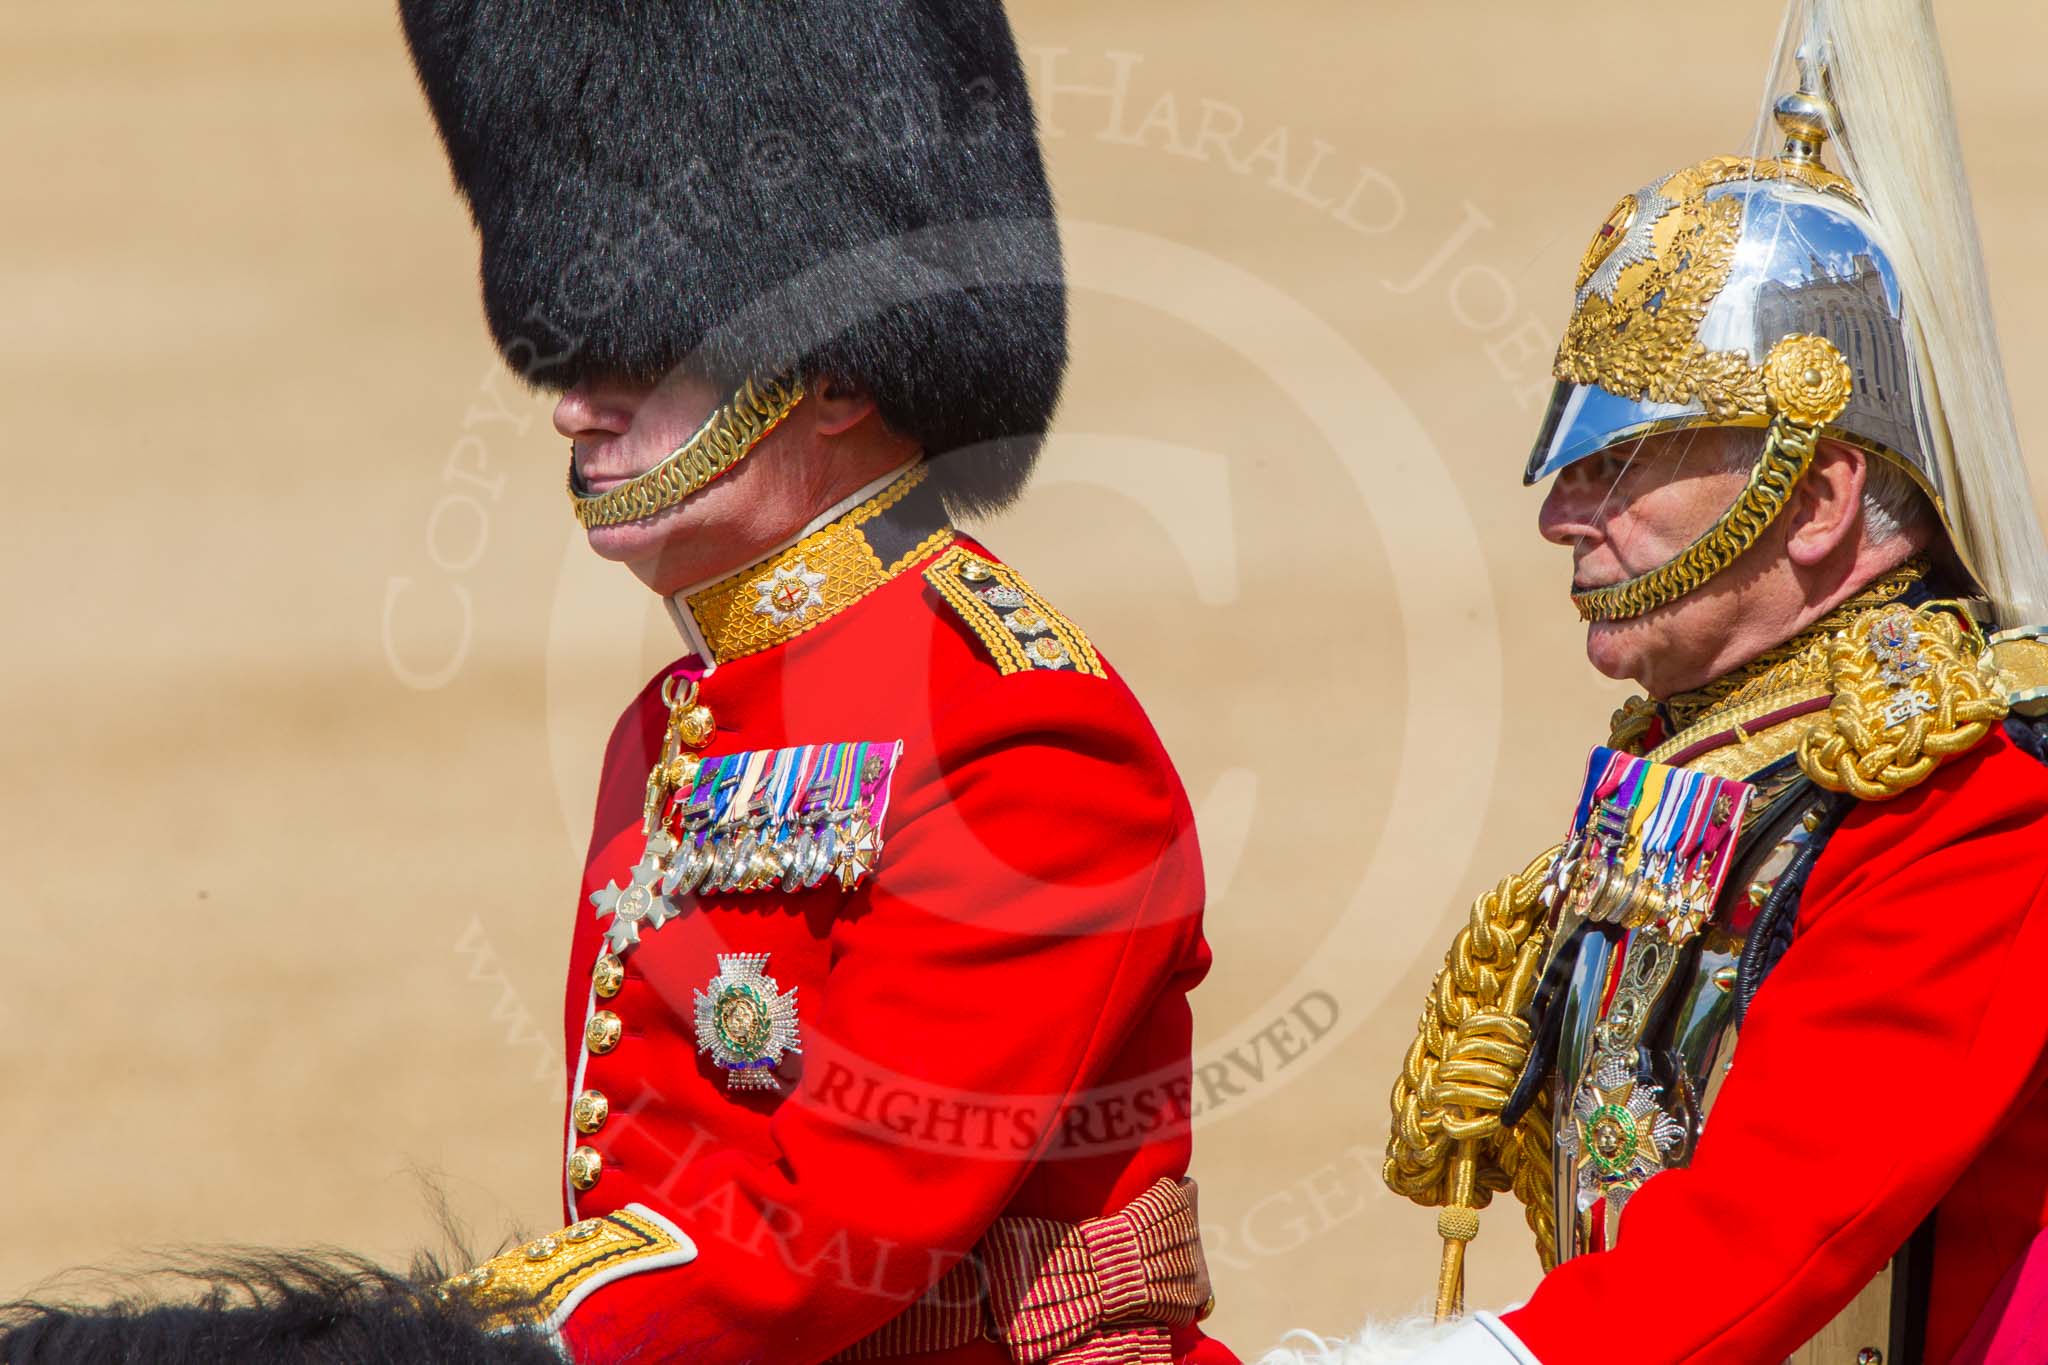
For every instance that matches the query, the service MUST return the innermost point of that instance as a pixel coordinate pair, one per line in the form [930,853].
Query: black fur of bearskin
[851,188]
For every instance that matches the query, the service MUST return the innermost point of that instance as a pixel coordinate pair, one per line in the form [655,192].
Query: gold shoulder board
[1022,632]
[542,1282]
[1911,689]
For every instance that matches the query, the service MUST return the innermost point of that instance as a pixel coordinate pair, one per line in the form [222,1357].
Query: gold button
[585,1166]
[974,571]
[601,1034]
[590,1111]
[608,975]
[540,1249]
[1208,1307]
[583,1231]
[696,726]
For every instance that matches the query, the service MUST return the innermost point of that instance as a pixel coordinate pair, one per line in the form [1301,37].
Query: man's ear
[839,404]
[1827,506]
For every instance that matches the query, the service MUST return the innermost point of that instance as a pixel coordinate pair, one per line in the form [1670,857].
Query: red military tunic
[1892,1065]
[994,1023]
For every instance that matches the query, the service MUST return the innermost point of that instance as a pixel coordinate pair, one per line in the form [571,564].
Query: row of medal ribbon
[788,817]
[1650,843]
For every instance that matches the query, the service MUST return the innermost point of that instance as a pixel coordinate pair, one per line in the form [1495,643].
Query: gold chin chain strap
[1448,1149]
[1788,453]
[1806,385]
[728,436]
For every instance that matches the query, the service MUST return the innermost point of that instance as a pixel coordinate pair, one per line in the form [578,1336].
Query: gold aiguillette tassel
[1457,1224]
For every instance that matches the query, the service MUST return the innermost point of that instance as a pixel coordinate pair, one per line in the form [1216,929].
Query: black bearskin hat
[849,188]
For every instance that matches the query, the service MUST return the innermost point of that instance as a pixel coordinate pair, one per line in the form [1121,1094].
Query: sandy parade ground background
[308,672]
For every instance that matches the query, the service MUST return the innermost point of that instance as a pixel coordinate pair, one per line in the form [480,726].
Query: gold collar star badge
[789,594]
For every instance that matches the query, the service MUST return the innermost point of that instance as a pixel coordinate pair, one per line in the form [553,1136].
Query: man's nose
[580,412]
[1572,506]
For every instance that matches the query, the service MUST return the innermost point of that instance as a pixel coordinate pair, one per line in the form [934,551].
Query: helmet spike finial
[1806,115]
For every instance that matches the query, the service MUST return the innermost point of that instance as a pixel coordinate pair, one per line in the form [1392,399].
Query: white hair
[1893,503]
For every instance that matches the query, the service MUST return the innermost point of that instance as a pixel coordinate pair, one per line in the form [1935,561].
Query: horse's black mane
[266,1308]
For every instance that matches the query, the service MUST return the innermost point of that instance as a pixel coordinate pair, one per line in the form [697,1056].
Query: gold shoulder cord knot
[1911,689]
[1448,1148]
[1630,725]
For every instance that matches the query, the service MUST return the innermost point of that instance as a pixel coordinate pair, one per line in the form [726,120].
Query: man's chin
[647,547]
[1615,649]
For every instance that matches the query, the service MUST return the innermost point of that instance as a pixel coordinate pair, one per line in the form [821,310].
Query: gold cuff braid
[1788,453]
[1448,1148]
[726,438]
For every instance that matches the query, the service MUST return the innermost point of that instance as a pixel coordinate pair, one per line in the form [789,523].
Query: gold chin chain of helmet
[1806,384]
[728,436]
[1788,453]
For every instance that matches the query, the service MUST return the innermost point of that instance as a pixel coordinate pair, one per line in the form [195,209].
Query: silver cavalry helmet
[1772,292]
[1696,282]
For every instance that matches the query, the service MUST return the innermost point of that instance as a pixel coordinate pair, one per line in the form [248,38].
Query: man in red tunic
[1761,1045]
[877,1014]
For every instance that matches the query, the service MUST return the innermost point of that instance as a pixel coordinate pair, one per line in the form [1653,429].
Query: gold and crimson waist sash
[1108,1289]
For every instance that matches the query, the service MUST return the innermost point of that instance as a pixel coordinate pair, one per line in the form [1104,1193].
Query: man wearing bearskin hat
[1760,1046]
[877,1021]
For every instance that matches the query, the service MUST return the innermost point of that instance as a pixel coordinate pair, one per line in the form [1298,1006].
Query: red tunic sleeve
[1881,1058]
[1002,1028]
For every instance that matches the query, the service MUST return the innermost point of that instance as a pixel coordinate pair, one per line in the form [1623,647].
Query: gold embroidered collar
[1751,700]
[882,530]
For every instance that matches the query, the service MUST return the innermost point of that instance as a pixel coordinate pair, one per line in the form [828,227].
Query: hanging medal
[1626,810]
[749,822]
[1726,804]
[800,829]
[644,900]
[735,830]
[1663,832]
[1681,914]
[1592,832]
[857,844]
[694,815]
